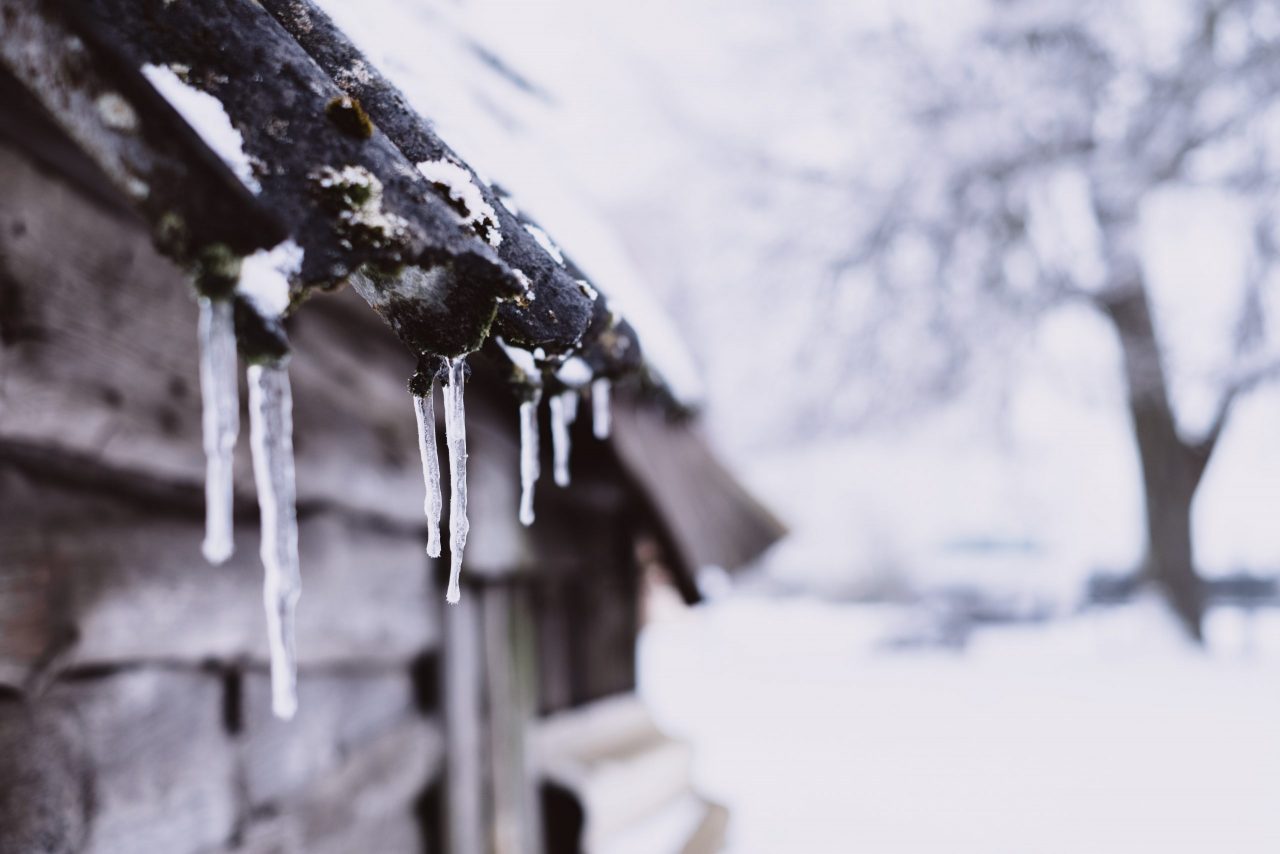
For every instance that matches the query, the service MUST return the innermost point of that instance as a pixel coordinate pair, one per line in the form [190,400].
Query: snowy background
[713,163]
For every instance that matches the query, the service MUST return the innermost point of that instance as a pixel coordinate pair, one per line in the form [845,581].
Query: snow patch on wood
[207,118]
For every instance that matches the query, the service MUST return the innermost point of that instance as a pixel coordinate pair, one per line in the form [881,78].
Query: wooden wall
[134,700]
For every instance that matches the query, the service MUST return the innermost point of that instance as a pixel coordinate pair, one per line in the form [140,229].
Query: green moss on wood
[217,270]
[350,118]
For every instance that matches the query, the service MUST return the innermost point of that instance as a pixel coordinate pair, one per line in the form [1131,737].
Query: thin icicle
[564,408]
[271,440]
[425,410]
[570,406]
[529,467]
[455,433]
[600,413]
[220,397]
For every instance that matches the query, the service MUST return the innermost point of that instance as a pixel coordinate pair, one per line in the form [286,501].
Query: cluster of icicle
[455,434]
[271,443]
[564,411]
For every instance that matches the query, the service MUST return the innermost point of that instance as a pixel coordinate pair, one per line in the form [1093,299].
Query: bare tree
[1066,112]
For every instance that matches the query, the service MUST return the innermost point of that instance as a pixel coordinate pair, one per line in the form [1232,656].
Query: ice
[424,409]
[455,432]
[600,415]
[219,394]
[271,440]
[564,409]
[529,468]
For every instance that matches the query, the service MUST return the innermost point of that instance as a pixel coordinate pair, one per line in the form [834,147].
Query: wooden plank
[515,827]
[706,516]
[92,580]
[466,807]
[340,714]
[44,802]
[162,762]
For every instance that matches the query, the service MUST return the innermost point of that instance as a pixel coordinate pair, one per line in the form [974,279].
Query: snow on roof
[489,116]
[207,117]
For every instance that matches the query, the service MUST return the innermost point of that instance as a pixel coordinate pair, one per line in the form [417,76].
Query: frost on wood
[425,410]
[564,409]
[271,441]
[464,196]
[600,413]
[219,394]
[544,240]
[529,467]
[455,432]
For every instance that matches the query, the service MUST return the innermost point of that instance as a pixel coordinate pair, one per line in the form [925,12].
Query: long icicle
[425,410]
[455,432]
[271,440]
[600,413]
[529,450]
[220,398]
[564,408]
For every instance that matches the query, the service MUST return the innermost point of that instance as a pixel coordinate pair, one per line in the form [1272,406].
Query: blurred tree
[1037,142]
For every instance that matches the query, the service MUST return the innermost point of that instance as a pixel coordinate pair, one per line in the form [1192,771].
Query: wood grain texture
[89,580]
[162,764]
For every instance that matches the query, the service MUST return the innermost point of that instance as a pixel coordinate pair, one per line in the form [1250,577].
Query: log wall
[134,696]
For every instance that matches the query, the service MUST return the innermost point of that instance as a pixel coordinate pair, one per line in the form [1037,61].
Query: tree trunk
[1171,467]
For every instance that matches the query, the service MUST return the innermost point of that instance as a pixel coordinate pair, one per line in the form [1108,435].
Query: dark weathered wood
[433,279]
[44,780]
[102,102]
[560,312]
[162,763]
[705,515]
[94,581]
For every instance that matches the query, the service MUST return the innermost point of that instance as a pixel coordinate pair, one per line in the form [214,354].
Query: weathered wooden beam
[568,313]
[101,100]
[349,197]
[559,314]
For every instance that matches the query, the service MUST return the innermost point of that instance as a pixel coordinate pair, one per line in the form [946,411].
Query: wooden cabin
[135,710]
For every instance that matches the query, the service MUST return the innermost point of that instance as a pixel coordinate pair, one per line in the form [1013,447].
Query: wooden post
[490,705]
[463,707]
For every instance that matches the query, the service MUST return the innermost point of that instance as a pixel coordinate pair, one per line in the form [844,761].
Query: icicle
[529,468]
[425,410]
[564,408]
[220,397]
[455,432]
[271,440]
[600,415]
[570,406]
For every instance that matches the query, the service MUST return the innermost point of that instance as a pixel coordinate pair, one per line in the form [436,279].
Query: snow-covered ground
[1100,733]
